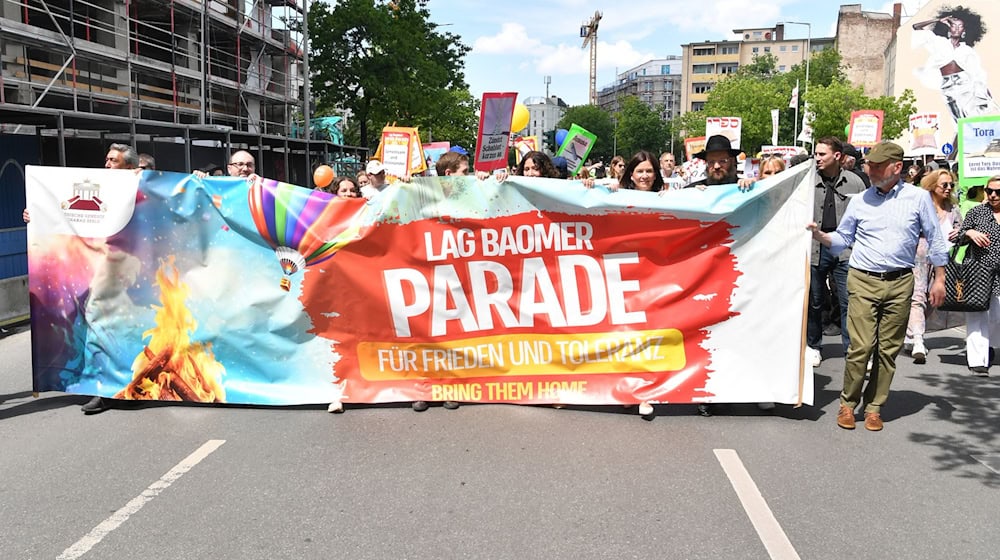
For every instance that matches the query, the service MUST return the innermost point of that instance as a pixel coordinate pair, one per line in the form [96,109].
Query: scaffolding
[234,63]
[227,70]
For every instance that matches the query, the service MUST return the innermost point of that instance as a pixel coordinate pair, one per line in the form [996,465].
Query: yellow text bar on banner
[585,353]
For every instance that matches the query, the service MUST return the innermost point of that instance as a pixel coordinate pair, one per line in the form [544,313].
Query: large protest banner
[166,286]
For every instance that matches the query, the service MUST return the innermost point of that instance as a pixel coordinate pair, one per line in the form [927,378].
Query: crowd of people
[881,240]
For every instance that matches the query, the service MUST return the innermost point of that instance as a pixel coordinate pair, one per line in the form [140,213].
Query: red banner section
[526,308]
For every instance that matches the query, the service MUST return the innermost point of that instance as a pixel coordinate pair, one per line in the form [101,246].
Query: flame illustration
[170,367]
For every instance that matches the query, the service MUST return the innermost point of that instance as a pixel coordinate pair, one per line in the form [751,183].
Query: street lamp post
[808,53]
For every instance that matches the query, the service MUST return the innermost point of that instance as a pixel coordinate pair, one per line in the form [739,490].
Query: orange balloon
[323,176]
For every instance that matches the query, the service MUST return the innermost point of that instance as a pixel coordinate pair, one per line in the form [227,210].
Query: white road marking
[775,541]
[84,545]
[991,462]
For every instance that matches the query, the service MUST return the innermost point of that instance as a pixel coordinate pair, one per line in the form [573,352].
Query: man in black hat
[851,161]
[720,162]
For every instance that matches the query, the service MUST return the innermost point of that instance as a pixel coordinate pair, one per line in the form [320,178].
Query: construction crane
[588,31]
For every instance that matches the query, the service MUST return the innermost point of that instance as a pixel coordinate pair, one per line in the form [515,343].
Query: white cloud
[559,59]
[512,39]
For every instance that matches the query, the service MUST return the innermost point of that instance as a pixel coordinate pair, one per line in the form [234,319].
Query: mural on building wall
[943,55]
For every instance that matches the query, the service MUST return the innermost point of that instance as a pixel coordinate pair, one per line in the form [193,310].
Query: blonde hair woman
[941,184]
[771,166]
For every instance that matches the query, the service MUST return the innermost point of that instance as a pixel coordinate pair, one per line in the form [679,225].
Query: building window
[668,85]
[783,48]
[697,105]
[703,69]
[647,86]
[781,68]
[731,49]
[728,68]
[702,88]
[795,48]
[755,49]
[704,51]
[767,49]
[665,69]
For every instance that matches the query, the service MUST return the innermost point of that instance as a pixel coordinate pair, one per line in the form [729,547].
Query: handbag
[968,282]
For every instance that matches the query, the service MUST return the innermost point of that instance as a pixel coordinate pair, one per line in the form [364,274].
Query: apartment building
[708,62]
[657,83]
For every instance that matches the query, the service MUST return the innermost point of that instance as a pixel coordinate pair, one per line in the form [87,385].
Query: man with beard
[720,162]
[883,225]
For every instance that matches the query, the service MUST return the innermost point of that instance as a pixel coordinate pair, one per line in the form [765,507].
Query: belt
[890,275]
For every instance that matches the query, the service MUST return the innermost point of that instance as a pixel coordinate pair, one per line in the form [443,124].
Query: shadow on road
[971,406]
[38,405]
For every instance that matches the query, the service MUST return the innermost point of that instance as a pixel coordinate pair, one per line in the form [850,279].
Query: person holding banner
[376,179]
[883,226]
[455,164]
[537,164]
[613,178]
[641,174]
[346,187]
[720,165]
[119,156]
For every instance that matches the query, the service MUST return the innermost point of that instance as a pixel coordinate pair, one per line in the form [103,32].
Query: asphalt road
[499,481]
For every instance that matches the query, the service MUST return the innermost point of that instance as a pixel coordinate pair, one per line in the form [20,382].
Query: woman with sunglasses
[941,184]
[615,170]
[982,228]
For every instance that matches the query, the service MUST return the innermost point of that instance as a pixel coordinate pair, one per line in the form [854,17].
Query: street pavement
[503,481]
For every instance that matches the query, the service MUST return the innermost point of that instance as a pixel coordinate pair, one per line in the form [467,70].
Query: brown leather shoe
[873,421]
[845,418]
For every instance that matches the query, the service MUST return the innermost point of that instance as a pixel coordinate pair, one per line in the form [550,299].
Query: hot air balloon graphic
[305,227]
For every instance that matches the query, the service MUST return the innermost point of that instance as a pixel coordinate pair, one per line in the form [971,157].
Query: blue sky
[515,44]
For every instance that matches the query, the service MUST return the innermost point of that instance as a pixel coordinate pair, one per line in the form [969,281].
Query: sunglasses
[992,192]
[947,185]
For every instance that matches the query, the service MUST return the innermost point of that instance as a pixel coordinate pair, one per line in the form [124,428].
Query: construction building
[187,81]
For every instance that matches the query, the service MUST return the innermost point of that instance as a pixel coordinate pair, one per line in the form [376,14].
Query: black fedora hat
[717,143]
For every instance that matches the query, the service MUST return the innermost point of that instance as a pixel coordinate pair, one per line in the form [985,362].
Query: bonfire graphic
[170,367]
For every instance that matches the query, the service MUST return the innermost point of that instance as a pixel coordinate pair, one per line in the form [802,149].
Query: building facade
[862,39]
[186,81]
[657,83]
[544,113]
[708,62]
[229,63]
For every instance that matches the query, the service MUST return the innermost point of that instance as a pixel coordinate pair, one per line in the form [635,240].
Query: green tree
[757,88]
[385,62]
[594,120]
[750,93]
[640,128]
[834,103]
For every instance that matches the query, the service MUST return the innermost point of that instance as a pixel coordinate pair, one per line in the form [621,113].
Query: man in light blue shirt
[882,225]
